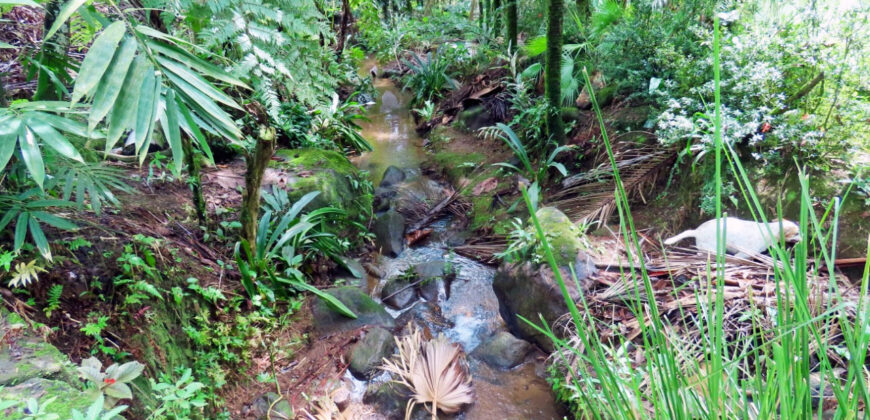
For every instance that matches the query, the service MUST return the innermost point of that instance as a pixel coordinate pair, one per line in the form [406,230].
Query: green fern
[53,300]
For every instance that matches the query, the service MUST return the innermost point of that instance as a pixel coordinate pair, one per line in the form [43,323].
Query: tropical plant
[96,411]
[429,77]
[286,240]
[528,169]
[427,111]
[29,212]
[179,399]
[433,371]
[337,124]
[111,384]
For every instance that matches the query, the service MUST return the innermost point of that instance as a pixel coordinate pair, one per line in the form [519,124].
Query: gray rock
[387,398]
[392,176]
[368,354]
[502,350]
[529,291]
[389,230]
[398,293]
[26,355]
[474,118]
[433,274]
[281,409]
[342,395]
[383,199]
[368,312]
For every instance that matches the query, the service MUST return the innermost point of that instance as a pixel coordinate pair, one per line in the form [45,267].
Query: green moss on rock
[329,172]
[564,237]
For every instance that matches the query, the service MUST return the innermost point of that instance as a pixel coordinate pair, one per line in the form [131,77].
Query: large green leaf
[97,61]
[173,131]
[194,62]
[111,83]
[31,155]
[8,139]
[192,129]
[125,109]
[39,238]
[52,138]
[21,229]
[207,109]
[65,12]
[20,3]
[65,124]
[197,82]
[331,300]
[145,110]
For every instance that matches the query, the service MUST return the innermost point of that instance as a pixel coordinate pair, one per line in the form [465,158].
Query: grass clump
[804,355]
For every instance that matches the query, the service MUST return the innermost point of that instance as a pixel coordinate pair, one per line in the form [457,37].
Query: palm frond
[434,371]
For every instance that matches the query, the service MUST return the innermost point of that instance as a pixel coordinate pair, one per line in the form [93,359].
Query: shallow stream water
[471,311]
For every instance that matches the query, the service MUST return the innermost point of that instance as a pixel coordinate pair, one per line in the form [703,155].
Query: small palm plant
[112,384]
[428,77]
[434,371]
[528,169]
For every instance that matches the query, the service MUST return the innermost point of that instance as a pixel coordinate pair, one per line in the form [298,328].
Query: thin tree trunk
[256,164]
[52,55]
[342,34]
[496,14]
[512,24]
[193,172]
[554,70]
[471,10]
[3,101]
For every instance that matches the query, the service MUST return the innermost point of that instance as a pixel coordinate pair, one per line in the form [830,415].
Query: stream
[469,313]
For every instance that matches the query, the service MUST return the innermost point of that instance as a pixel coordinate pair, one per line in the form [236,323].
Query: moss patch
[329,172]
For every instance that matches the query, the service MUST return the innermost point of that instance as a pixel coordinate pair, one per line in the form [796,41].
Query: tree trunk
[480,7]
[255,167]
[512,24]
[554,70]
[52,56]
[193,173]
[342,34]
[471,10]
[496,14]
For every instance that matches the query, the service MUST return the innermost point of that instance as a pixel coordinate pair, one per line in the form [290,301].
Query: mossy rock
[64,398]
[328,321]
[457,165]
[26,355]
[563,235]
[327,171]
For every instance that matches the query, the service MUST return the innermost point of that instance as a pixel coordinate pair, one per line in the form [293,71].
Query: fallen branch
[433,213]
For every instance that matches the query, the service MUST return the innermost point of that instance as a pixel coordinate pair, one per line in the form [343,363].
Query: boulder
[433,273]
[389,230]
[474,118]
[66,398]
[531,291]
[392,176]
[301,171]
[260,407]
[398,293]
[502,350]
[564,236]
[368,312]
[25,355]
[383,199]
[387,398]
[368,354]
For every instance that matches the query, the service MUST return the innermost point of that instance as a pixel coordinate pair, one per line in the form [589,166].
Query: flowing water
[470,314]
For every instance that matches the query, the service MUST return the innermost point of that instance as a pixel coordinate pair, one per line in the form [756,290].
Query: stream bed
[467,313]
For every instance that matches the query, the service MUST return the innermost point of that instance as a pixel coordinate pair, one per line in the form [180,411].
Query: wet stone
[398,293]
[368,354]
[260,408]
[502,350]
[389,230]
[392,176]
[368,312]
[387,398]
[432,274]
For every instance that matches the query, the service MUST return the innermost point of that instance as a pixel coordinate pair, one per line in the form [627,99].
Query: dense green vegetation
[189,228]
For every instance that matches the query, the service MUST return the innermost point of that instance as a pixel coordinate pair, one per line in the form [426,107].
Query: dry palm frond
[591,196]
[433,371]
[483,249]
